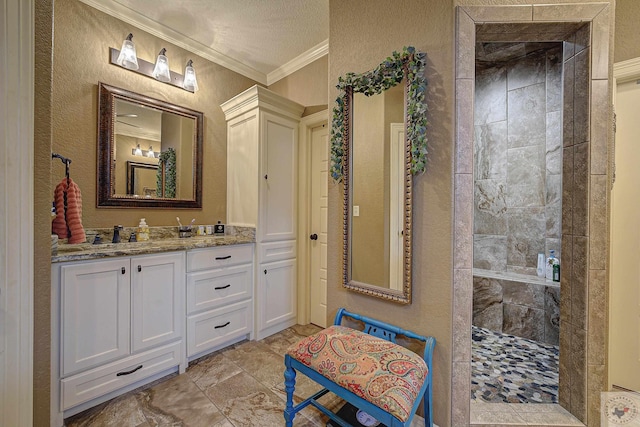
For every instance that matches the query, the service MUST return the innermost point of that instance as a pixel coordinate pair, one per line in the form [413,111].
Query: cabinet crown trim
[257,96]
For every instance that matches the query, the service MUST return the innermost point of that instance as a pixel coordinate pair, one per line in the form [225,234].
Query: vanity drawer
[213,328]
[217,288]
[100,381]
[218,257]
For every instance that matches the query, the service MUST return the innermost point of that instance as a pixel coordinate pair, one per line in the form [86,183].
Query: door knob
[314,236]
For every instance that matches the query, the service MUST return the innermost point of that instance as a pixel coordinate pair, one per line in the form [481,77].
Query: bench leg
[289,387]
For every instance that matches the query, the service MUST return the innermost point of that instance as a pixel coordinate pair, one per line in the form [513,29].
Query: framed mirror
[149,152]
[378,143]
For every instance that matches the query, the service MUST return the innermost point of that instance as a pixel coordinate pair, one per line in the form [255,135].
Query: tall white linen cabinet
[262,186]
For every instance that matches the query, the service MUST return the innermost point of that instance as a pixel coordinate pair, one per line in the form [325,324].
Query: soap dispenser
[143,231]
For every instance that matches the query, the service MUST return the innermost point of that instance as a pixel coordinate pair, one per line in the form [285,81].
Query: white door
[624,322]
[318,253]
[396,201]
[157,308]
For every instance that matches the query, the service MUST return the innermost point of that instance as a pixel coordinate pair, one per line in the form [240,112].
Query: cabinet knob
[139,268]
[314,236]
[265,176]
[123,270]
[265,271]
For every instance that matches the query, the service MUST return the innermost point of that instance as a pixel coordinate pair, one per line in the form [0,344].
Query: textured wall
[83,36]
[307,86]
[627,37]
[363,33]
[42,205]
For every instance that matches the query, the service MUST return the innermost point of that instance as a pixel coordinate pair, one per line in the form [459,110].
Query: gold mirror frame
[408,68]
[106,197]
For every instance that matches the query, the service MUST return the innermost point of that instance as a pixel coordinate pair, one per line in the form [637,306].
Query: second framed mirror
[378,144]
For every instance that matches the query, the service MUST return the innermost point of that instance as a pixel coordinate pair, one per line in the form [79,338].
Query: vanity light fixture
[158,70]
[190,81]
[161,69]
[127,57]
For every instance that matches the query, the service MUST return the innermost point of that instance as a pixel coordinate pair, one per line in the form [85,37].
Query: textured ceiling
[262,39]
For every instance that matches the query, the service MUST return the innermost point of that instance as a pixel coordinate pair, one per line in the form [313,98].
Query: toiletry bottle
[540,269]
[143,231]
[556,270]
[549,265]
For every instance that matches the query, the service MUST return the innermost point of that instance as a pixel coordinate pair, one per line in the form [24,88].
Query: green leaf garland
[410,63]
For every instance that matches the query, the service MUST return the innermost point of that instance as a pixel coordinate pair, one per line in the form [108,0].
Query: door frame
[17,143]
[623,72]
[585,363]
[307,124]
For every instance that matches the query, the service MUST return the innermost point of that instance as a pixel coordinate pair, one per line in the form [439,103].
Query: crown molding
[626,70]
[306,58]
[258,96]
[154,28]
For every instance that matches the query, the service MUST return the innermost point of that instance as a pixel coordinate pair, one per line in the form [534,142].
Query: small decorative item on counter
[143,231]
[132,238]
[218,229]
[201,231]
[184,231]
[209,229]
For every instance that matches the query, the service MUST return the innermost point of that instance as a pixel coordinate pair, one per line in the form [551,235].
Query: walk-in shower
[517,215]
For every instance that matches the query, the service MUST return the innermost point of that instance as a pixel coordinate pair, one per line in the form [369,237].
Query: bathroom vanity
[126,314]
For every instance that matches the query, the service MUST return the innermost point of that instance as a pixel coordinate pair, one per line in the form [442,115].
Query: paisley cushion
[381,372]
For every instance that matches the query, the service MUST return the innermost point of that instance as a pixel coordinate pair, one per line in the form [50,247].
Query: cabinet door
[279,176]
[95,311]
[276,301]
[157,307]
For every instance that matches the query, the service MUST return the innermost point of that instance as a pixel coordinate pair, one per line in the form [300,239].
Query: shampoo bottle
[143,231]
[549,265]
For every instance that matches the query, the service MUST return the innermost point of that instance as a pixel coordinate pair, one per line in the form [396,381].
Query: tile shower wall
[518,161]
[525,309]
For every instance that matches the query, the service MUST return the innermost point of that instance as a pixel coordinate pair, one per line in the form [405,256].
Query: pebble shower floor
[510,369]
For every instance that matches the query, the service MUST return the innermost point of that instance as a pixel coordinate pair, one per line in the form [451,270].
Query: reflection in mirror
[378,141]
[377,184]
[142,179]
[139,137]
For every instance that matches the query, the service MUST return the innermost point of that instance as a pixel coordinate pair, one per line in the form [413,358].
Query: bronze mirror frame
[107,96]
[405,68]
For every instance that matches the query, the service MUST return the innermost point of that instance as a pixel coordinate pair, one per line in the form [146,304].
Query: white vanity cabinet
[219,297]
[262,185]
[121,322]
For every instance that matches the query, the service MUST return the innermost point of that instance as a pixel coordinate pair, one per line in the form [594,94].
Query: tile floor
[240,386]
[243,386]
[510,369]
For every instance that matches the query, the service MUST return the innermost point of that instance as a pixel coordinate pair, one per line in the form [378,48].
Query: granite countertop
[88,251]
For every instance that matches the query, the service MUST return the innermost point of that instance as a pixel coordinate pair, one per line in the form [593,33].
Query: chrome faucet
[116,233]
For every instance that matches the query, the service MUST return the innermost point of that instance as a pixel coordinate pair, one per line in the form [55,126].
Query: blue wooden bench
[365,368]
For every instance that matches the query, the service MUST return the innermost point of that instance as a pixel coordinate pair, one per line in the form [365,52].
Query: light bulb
[190,82]
[137,151]
[127,57]
[150,153]
[161,70]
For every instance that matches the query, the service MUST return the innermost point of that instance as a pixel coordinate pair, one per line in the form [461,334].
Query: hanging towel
[71,222]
